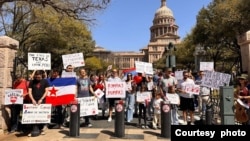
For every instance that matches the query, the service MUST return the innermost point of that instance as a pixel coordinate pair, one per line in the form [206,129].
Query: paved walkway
[88,134]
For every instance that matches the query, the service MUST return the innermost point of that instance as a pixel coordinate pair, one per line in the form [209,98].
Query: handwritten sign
[144,67]
[75,60]
[115,89]
[33,114]
[192,89]
[88,106]
[99,93]
[13,96]
[215,79]
[173,98]
[178,75]
[39,61]
[142,96]
[206,66]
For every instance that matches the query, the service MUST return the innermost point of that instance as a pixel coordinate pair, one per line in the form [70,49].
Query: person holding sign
[100,84]
[157,110]
[174,99]
[187,99]
[114,78]
[167,81]
[38,90]
[242,92]
[143,97]
[19,83]
[84,89]
[130,97]
[204,94]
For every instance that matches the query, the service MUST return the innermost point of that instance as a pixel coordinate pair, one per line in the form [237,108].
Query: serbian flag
[61,91]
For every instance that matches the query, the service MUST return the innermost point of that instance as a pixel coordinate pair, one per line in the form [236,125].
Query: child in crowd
[172,95]
[157,110]
[142,108]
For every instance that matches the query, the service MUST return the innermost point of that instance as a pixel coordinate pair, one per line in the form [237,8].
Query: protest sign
[215,79]
[144,67]
[115,89]
[142,96]
[88,106]
[39,61]
[13,96]
[173,98]
[33,114]
[76,60]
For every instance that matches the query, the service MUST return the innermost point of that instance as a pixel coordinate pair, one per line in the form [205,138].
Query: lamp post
[170,58]
[198,54]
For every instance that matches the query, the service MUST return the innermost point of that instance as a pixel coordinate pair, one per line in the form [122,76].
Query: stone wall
[8,48]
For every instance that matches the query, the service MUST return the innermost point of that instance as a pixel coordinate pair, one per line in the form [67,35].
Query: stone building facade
[162,32]
[244,42]
[8,48]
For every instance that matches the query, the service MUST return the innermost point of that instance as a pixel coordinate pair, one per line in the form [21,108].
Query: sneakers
[29,135]
[109,119]
[192,123]
[42,133]
[89,125]
[184,123]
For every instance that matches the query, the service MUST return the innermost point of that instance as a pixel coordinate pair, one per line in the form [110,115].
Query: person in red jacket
[19,83]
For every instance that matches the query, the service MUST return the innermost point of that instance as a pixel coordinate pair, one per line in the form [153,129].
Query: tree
[217,29]
[93,64]
[78,9]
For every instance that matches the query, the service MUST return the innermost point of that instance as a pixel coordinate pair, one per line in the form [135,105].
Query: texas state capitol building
[162,32]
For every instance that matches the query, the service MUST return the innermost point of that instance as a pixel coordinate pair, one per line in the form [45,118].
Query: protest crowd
[141,92]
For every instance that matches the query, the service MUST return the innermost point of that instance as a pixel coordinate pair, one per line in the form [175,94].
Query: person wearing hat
[242,93]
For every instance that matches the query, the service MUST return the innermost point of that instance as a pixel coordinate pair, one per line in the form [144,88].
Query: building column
[8,48]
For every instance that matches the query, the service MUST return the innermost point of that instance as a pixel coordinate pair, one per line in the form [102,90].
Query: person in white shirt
[113,78]
[157,110]
[186,98]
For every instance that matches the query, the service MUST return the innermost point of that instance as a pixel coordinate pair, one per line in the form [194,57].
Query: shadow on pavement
[107,132]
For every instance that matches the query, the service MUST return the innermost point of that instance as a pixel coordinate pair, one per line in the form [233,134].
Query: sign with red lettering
[115,89]
[13,96]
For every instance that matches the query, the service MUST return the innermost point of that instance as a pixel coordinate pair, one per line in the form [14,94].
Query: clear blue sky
[124,25]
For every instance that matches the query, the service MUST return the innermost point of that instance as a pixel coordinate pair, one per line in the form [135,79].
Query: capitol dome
[163,11]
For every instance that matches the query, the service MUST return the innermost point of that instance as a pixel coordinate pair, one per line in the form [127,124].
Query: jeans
[130,102]
[15,115]
[174,116]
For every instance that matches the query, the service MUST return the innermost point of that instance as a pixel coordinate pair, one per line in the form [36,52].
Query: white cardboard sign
[39,61]
[75,59]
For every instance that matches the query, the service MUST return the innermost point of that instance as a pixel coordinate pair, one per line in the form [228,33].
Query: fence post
[119,119]
[74,123]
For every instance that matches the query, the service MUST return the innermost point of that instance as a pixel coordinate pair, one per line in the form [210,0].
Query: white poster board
[33,114]
[142,96]
[214,79]
[144,67]
[39,61]
[173,98]
[206,66]
[115,89]
[192,89]
[88,106]
[178,75]
[13,96]
[75,59]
